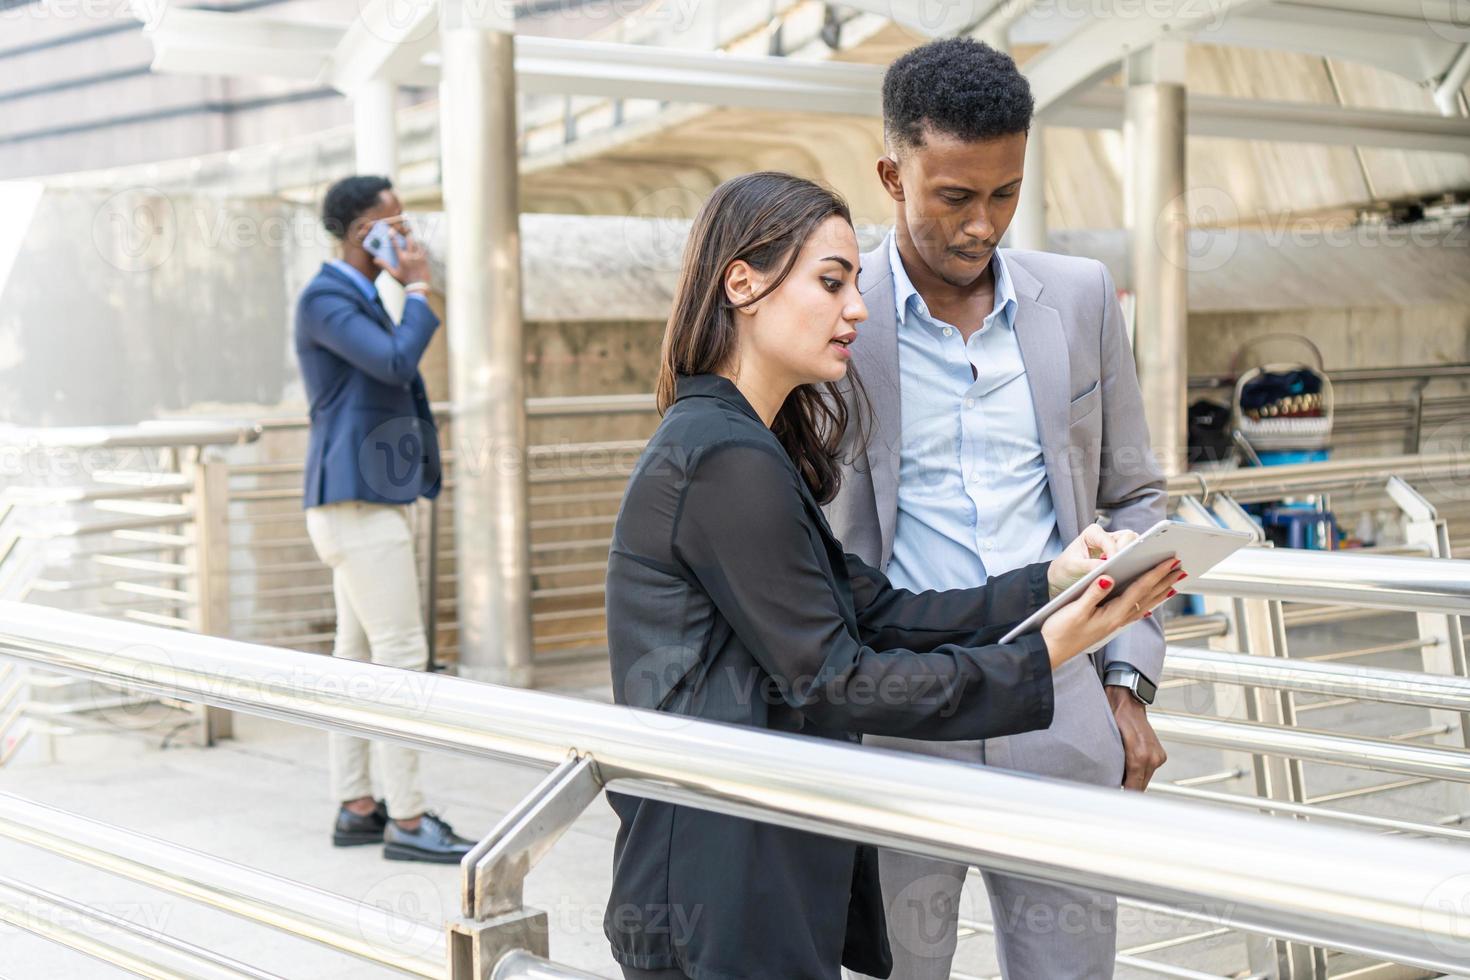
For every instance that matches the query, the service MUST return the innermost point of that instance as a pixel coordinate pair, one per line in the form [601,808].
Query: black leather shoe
[360,828]
[434,840]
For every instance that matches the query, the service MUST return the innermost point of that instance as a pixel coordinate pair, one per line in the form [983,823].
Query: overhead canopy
[1350,83]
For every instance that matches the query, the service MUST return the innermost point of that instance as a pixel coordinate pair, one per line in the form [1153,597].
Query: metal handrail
[152,434]
[1334,679]
[1387,897]
[521,965]
[1401,582]
[1316,477]
[113,939]
[1358,751]
[338,923]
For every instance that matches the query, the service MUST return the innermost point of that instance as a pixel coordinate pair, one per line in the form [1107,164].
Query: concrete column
[375,132]
[374,128]
[1154,134]
[486,344]
[1028,229]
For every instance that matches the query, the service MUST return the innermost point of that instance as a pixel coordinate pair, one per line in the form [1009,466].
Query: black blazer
[728,599]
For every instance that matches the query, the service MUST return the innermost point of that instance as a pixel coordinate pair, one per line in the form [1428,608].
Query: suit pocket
[1085,404]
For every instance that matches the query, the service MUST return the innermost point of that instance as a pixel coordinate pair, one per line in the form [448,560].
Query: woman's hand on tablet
[1085,553]
[1096,614]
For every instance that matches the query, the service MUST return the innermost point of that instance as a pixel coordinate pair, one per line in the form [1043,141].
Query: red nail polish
[1106,583]
[1148,614]
[1177,563]
[1105,557]
[1182,576]
[1172,593]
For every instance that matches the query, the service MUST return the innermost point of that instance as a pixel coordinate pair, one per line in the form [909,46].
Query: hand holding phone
[397,253]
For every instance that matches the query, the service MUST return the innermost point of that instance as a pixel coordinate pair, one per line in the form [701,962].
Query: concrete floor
[261,799]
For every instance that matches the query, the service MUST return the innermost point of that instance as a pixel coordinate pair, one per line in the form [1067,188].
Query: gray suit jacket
[1089,411]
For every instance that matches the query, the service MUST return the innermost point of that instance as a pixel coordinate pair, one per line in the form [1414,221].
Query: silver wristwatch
[1122,675]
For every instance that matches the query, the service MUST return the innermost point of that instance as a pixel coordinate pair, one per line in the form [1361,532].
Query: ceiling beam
[554,66]
[203,42]
[387,40]
[206,42]
[1282,122]
[1405,40]
[1093,50]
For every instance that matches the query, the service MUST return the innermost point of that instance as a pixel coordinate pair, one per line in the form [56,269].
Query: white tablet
[1198,549]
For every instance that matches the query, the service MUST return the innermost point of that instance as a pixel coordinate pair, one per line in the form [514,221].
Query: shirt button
[969,403]
[988,544]
[949,331]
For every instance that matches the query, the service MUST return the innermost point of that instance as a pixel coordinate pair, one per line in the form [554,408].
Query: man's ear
[741,284]
[889,177]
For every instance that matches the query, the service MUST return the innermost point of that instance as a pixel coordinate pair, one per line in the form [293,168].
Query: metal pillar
[208,559]
[487,359]
[374,128]
[1153,134]
[1028,230]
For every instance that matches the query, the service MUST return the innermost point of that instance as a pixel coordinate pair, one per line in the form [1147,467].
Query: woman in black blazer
[728,599]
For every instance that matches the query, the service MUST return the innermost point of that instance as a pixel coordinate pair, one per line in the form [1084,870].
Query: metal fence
[1388,897]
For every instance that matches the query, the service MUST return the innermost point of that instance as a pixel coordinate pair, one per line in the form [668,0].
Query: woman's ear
[741,285]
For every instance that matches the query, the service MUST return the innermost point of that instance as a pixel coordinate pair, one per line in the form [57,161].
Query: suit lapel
[1048,372]
[376,310]
[875,354]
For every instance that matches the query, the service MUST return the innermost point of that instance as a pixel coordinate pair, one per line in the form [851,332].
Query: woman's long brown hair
[763,218]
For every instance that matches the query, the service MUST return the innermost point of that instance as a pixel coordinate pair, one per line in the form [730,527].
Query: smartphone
[380,240]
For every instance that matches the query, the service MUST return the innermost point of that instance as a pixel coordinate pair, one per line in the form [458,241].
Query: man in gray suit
[1004,414]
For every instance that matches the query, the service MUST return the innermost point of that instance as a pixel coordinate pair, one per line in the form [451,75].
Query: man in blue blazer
[372,452]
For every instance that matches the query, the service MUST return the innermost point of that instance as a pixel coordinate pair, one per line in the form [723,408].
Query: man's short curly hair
[958,86]
[349,199]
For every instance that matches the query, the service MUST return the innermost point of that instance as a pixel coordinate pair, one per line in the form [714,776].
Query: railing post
[208,558]
[1445,653]
[495,920]
[1257,627]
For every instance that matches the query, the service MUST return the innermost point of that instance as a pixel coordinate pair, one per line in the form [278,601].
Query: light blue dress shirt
[368,287]
[972,493]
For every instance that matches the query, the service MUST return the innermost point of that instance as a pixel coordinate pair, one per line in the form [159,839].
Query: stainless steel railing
[1387,896]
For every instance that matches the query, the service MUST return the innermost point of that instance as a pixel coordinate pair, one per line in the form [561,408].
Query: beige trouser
[375,581]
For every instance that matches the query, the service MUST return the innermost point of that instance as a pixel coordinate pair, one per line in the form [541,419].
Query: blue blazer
[372,431]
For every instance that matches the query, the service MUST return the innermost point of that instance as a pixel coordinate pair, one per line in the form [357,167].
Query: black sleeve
[889,617]
[744,535]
